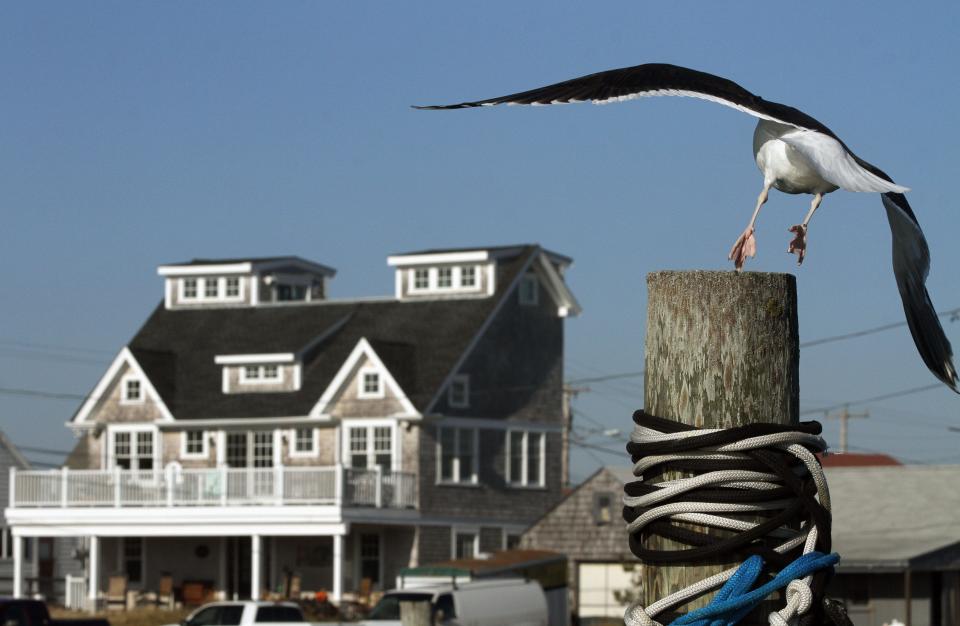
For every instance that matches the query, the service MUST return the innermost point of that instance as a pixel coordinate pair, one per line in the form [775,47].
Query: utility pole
[569,393]
[844,415]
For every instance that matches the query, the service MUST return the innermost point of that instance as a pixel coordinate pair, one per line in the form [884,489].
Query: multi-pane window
[421,278]
[468,276]
[211,288]
[304,441]
[371,446]
[529,289]
[457,455]
[444,277]
[465,545]
[132,390]
[233,287]
[370,557]
[459,392]
[133,559]
[133,449]
[358,447]
[371,383]
[189,288]
[270,373]
[513,541]
[525,458]
[194,443]
[603,508]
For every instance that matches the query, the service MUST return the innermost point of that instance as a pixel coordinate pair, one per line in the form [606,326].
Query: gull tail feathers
[911,262]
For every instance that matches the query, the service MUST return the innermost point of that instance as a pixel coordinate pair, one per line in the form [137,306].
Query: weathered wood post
[415,613]
[722,350]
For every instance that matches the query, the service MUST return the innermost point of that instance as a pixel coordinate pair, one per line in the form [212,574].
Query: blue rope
[734,600]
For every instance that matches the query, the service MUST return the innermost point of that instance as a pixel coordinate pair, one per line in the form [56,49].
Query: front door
[45,565]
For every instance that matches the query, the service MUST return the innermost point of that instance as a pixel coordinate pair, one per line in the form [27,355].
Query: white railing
[76,593]
[216,486]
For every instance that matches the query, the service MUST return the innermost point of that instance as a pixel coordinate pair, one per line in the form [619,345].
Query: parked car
[498,602]
[246,613]
[22,612]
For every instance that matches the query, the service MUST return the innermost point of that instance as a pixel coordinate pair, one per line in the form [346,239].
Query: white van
[497,602]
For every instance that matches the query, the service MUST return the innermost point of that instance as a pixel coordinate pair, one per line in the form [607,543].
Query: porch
[206,568]
[219,486]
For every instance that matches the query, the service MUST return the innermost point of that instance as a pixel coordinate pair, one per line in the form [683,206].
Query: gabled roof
[419,342]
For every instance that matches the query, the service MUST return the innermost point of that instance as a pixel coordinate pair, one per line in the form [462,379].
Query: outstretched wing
[648,80]
[834,161]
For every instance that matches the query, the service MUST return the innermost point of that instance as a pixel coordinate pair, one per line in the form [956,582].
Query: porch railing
[220,486]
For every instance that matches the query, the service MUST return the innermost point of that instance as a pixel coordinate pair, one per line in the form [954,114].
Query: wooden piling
[722,350]
[415,613]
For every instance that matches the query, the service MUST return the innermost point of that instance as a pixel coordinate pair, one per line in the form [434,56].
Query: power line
[886,396]
[954,314]
[600,379]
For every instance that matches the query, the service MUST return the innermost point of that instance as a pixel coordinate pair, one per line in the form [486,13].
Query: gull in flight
[796,154]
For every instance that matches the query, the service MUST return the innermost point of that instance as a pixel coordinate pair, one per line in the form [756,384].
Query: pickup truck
[22,612]
[245,613]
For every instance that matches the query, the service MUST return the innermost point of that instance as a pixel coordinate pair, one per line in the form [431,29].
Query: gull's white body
[784,167]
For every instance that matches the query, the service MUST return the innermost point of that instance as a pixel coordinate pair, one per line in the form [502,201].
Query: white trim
[363,348]
[567,304]
[525,456]
[370,424]
[381,545]
[125,392]
[247,359]
[133,429]
[297,376]
[442,257]
[463,379]
[433,287]
[314,451]
[261,378]
[225,379]
[362,392]
[464,530]
[473,477]
[204,446]
[125,356]
[199,270]
[480,332]
[492,423]
[168,293]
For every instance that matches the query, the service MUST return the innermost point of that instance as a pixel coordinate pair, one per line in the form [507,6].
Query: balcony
[171,487]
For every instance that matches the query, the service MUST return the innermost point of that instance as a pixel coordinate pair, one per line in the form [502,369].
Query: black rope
[792,503]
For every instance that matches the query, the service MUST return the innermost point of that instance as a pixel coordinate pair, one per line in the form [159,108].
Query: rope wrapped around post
[761,469]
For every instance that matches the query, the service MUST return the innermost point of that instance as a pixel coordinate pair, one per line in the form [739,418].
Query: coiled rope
[734,476]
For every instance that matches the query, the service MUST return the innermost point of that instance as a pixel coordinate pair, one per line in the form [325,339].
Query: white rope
[799,596]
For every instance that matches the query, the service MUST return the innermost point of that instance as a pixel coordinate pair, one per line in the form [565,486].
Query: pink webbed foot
[799,244]
[745,246]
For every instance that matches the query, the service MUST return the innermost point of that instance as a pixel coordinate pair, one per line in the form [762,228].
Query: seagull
[797,155]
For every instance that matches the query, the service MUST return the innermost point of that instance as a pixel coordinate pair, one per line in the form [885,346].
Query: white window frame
[525,451]
[452,400]
[362,392]
[314,450]
[204,445]
[347,424]
[203,281]
[133,429]
[124,394]
[525,296]
[472,477]
[464,530]
[433,279]
[261,378]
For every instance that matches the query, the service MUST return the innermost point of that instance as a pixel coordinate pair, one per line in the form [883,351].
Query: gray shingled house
[254,429]
[10,457]
[587,526]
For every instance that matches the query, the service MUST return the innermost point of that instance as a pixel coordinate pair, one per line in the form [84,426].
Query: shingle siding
[434,544]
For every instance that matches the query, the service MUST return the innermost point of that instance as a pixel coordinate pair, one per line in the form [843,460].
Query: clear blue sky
[137,133]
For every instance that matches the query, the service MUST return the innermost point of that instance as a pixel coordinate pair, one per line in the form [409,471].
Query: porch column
[93,573]
[255,566]
[337,569]
[17,566]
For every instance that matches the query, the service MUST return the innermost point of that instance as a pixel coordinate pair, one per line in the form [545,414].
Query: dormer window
[233,287]
[131,390]
[189,286]
[468,276]
[371,383]
[269,373]
[444,277]
[421,279]
[211,288]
